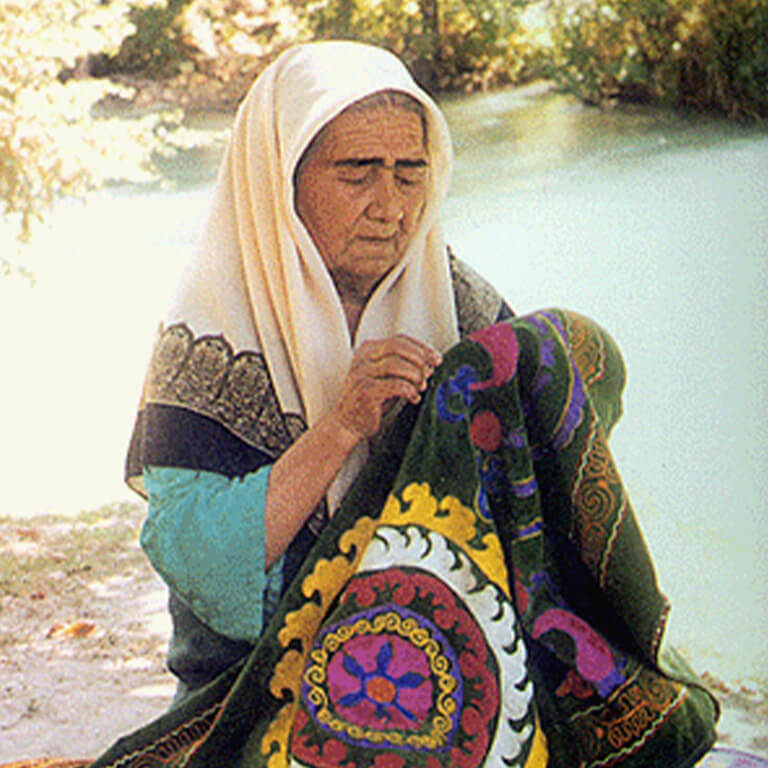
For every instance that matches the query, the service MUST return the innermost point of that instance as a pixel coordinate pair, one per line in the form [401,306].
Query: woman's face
[361,190]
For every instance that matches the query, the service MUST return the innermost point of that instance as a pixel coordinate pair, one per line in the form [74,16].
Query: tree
[448,44]
[708,54]
[53,143]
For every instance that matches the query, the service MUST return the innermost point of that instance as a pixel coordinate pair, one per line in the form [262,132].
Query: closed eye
[354,180]
[409,177]
[354,175]
[360,172]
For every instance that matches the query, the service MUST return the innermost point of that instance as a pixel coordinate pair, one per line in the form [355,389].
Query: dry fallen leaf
[76,629]
[29,533]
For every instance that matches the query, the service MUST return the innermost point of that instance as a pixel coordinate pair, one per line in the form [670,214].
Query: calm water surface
[654,224]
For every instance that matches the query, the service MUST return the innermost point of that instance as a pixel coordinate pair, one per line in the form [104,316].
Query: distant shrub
[155,47]
[448,44]
[726,58]
[710,54]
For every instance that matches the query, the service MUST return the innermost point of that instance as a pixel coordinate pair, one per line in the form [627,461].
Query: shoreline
[193,92]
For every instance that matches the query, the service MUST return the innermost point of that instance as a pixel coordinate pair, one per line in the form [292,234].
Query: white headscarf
[258,278]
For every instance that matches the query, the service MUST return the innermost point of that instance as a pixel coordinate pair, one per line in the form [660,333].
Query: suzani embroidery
[597,491]
[408,666]
[629,719]
[493,546]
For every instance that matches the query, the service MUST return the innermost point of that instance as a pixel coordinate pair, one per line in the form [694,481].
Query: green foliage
[703,53]
[450,44]
[44,141]
[155,48]
[726,65]
[710,54]
[51,143]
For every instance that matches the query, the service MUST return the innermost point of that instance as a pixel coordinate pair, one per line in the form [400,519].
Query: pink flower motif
[500,341]
[379,687]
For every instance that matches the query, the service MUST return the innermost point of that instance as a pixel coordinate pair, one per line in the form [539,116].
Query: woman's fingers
[400,346]
[383,390]
[365,400]
[383,371]
[397,357]
[394,367]
[405,346]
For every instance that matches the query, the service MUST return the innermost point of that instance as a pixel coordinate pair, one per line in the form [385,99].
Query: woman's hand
[381,372]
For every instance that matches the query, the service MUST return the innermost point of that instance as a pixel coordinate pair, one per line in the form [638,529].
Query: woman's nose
[386,204]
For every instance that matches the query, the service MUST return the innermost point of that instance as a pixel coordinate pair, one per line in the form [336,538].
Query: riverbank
[686,55]
[84,630]
[218,87]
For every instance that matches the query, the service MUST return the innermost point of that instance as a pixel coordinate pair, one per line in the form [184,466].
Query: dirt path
[83,631]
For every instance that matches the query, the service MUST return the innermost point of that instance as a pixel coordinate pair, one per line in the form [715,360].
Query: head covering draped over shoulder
[258,280]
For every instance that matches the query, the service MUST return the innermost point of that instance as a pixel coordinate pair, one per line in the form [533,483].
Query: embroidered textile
[483,584]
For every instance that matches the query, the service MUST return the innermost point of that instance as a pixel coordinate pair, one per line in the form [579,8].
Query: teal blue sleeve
[204,535]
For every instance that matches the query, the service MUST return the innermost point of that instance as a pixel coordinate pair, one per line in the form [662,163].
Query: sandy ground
[83,630]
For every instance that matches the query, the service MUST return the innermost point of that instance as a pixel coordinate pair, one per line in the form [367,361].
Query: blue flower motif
[379,687]
[459,384]
[493,480]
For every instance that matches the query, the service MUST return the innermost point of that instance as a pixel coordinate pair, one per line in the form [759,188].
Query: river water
[654,224]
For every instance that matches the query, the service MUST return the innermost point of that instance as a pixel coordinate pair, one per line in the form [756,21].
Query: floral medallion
[419,665]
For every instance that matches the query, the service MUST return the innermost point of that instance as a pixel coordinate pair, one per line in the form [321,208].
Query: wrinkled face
[361,190]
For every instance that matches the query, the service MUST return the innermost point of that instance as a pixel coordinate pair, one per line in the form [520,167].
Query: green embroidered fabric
[483,597]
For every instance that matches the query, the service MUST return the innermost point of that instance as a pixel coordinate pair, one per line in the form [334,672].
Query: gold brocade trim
[409,629]
[173,748]
[599,503]
[623,724]
[206,376]
[587,347]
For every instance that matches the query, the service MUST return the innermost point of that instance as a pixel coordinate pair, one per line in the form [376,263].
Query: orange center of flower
[381,690]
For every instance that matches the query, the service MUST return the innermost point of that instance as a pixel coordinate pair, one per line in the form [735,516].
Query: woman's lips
[377,238]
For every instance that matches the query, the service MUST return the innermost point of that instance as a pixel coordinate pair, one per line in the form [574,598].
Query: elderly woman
[386,546]
[322,294]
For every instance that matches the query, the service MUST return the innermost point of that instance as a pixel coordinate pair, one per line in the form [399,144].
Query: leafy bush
[711,54]
[448,44]
[51,143]
[42,136]
[726,57]
[155,47]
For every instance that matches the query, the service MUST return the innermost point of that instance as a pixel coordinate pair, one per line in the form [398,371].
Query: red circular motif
[486,431]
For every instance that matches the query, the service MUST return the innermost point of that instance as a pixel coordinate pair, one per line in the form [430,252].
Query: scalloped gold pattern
[206,376]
